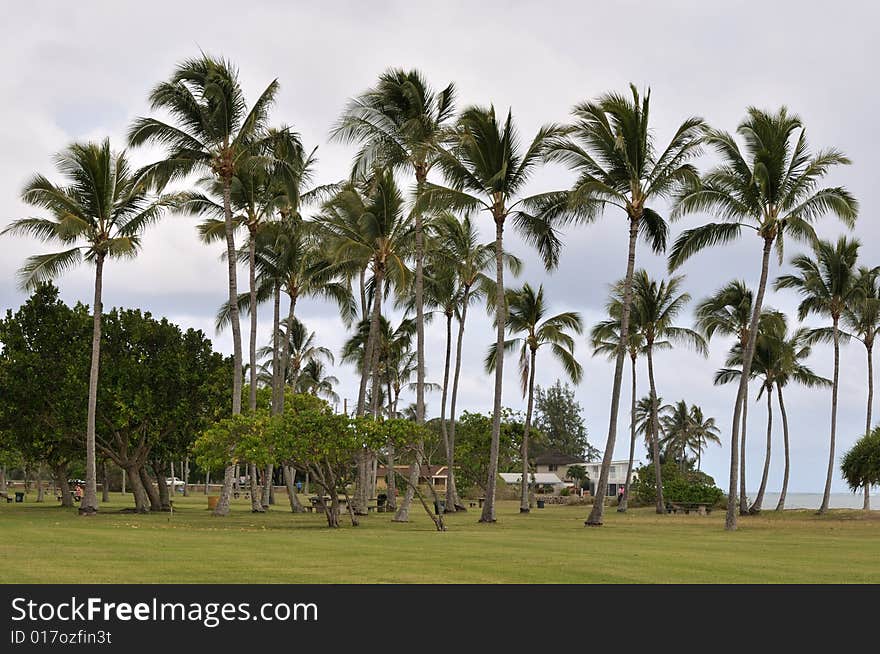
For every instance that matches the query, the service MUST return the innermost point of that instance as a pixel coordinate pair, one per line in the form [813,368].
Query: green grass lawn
[43,543]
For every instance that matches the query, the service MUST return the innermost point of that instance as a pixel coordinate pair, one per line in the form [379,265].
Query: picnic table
[686,507]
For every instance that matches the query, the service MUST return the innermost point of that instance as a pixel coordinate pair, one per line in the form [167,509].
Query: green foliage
[473,437]
[44,368]
[678,485]
[861,464]
[558,417]
[234,439]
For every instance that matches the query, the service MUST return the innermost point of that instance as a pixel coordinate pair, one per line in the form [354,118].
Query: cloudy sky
[78,71]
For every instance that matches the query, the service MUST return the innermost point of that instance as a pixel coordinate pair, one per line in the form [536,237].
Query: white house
[558,464]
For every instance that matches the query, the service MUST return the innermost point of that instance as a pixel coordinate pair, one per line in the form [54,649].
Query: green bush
[565,492]
[678,485]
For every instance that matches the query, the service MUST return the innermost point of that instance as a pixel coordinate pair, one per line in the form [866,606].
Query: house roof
[540,477]
[425,471]
[556,458]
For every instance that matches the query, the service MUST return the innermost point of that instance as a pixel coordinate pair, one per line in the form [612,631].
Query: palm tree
[828,282]
[472,260]
[365,226]
[314,380]
[644,418]
[605,339]
[99,214]
[213,133]
[611,148]
[862,321]
[772,187]
[401,123]
[656,305]
[677,433]
[728,312]
[486,170]
[703,431]
[526,313]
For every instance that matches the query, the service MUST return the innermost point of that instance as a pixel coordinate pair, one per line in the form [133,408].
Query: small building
[434,475]
[558,464]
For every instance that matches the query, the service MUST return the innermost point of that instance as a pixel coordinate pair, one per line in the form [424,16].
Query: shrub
[565,492]
[678,485]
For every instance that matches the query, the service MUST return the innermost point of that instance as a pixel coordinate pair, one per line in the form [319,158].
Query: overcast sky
[79,71]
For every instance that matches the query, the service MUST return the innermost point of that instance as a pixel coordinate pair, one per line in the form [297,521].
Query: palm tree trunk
[277,387]
[371,369]
[598,511]
[222,508]
[827,494]
[524,482]
[759,499]
[624,501]
[488,514]
[444,431]
[781,504]
[743,499]
[655,432]
[390,481]
[285,350]
[105,489]
[748,355]
[869,345]
[420,308]
[89,502]
[256,504]
[290,482]
[452,500]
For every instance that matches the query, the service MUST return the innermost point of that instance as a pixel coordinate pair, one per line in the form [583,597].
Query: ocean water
[814,500]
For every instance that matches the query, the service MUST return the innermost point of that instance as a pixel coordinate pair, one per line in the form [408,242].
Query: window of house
[553,467]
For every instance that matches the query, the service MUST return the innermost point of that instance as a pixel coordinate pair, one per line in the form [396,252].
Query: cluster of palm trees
[372,236]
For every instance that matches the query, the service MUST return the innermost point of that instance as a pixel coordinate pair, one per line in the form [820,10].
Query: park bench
[686,507]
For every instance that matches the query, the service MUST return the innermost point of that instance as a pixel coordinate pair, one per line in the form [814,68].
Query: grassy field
[43,543]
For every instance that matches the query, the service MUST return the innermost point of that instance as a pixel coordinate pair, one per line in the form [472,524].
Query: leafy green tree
[828,283]
[861,464]
[611,147]
[771,185]
[559,417]
[45,347]
[526,315]
[100,213]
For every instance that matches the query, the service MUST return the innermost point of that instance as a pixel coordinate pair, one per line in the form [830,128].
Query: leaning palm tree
[605,340]
[526,315]
[828,282]
[213,132]
[98,214]
[861,318]
[655,306]
[611,148]
[771,186]
[486,170]
[472,260]
[728,312]
[400,123]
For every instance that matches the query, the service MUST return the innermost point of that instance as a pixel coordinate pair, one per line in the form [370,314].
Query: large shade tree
[98,213]
[612,149]
[771,185]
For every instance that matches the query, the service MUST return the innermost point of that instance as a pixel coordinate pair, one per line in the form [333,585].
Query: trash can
[540,504]
[19,496]
[381,501]
[212,501]
[439,507]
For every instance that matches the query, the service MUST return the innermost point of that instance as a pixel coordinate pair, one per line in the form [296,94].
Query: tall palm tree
[771,185]
[657,305]
[861,318]
[400,123]
[828,282]
[487,169]
[605,339]
[213,132]
[365,225]
[526,315]
[611,148]
[472,260]
[98,214]
[728,312]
